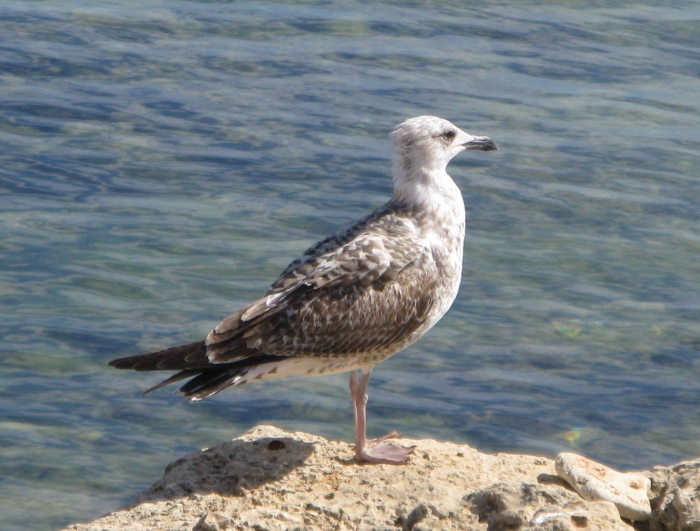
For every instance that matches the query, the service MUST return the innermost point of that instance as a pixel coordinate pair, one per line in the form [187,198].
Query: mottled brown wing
[388,221]
[362,297]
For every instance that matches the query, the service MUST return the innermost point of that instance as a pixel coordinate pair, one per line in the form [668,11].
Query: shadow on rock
[229,468]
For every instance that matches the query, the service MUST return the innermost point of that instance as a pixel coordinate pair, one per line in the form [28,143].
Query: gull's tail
[192,361]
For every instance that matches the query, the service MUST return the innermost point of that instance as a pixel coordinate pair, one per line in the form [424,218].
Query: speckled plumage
[355,298]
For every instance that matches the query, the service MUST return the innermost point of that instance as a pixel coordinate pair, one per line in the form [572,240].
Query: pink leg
[378,451]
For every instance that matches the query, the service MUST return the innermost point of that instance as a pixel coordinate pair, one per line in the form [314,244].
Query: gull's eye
[449,135]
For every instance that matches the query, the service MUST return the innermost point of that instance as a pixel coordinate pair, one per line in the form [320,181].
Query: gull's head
[426,144]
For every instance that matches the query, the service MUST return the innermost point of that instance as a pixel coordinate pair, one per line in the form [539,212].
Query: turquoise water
[161,162]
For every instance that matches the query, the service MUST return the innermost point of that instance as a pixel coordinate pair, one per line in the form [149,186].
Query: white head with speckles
[423,147]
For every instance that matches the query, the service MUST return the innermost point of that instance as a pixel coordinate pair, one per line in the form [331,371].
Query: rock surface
[594,481]
[675,497]
[269,479]
[513,506]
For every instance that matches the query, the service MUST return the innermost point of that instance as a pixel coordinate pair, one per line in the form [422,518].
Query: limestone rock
[269,479]
[676,497]
[594,481]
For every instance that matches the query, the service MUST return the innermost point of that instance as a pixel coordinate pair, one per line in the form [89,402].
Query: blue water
[161,162]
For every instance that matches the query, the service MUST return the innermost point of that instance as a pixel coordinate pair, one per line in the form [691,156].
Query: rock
[207,523]
[594,481]
[675,497]
[269,479]
[522,506]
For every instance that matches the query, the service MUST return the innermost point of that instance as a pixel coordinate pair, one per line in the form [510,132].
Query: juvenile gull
[353,299]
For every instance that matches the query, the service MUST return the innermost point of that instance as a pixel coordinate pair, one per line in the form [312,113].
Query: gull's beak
[482,143]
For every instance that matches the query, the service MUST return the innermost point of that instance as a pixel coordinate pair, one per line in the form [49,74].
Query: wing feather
[357,296]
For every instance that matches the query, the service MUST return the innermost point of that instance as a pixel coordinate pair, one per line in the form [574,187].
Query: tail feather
[211,381]
[174,378]
[192,362]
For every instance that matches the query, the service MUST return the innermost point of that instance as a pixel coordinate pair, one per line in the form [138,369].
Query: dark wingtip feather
[121,363]
[178,358]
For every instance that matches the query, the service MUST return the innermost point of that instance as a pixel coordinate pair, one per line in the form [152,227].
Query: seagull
[353,299]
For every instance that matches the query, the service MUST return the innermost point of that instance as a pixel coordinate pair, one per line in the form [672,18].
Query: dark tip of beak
[482,143]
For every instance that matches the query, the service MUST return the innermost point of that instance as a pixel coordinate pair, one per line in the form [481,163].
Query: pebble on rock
[594,481]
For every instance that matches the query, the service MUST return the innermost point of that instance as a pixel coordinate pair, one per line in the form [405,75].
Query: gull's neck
[428,189]
[436,210]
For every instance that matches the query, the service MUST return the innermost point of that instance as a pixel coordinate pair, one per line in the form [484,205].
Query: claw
[384,453]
